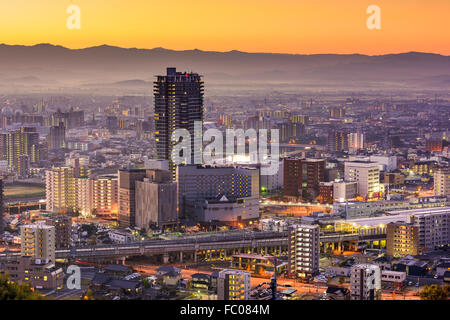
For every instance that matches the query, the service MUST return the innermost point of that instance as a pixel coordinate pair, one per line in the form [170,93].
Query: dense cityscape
[94,206]
[224,159]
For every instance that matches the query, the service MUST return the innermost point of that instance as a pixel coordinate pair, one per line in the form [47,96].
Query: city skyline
[256,150]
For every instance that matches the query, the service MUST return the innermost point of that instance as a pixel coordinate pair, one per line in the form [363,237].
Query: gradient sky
[287,26]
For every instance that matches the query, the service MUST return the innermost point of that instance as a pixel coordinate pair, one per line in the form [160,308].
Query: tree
[89,295]
[145,283]
[341,280]
[10,290]
[435,292]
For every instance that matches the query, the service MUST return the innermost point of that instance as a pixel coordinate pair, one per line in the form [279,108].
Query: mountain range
[46,65]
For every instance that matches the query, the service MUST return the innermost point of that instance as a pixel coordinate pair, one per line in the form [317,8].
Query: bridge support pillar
[181,256]
[195,256]
[165,258]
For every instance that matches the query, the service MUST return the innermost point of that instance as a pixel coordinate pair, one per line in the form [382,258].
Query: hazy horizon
[217,51]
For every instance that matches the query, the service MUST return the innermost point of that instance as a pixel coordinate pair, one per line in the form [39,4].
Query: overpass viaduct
[221,245]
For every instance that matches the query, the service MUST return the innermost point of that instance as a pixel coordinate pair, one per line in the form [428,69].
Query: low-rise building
[393,276]
[233,285]
[41,276]
[365,282]
[402,239]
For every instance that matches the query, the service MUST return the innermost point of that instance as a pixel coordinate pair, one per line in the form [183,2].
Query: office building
[38,241]
[269,183]
[394,178]
[304,248]
[63,230]
[233,285]
[14,144]
[23,166]
[70,119]
[156,200]
[425,167]
[344,191]
[386,163]
[360,209]
[337,112]
[325,192]
[367,175]
[434,227]
[105,193]
[302,177]
[402,239]
[442,182]
[56,138]
[40,276]
[223,211]
[218,193]
[178,99]
[60,189]
[434,145]
[337,141]
[355,141]
[299,119]
[127,195]
[365,282]
[225,120]
[83,196]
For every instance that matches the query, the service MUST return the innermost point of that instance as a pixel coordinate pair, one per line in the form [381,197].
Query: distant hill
[123,67]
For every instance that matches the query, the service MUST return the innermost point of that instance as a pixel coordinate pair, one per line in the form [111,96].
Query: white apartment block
[60,189]
[83,195]
[434,226]
[233,285]
[304,248]
[38,241]
[365,282]
[344,191]
[442,182]
[356,141]
[366,174]
[386,162]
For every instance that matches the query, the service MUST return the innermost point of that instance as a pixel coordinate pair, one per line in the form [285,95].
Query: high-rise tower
[178,98]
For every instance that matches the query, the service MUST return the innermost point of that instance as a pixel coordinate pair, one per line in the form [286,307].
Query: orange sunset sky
[285,26]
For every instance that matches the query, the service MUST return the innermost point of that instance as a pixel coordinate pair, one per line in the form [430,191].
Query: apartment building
[365,282]
[304,248]
[367,176]
[233,285]
[38,241]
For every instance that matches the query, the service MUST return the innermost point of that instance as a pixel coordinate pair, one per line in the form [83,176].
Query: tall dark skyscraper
[178,104]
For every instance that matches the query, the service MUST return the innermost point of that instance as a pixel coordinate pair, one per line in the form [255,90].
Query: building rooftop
[117,268]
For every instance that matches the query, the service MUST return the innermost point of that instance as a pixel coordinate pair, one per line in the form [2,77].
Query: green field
[21,191]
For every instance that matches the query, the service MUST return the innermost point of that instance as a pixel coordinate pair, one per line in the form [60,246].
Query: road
[302,288]
[254,281]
